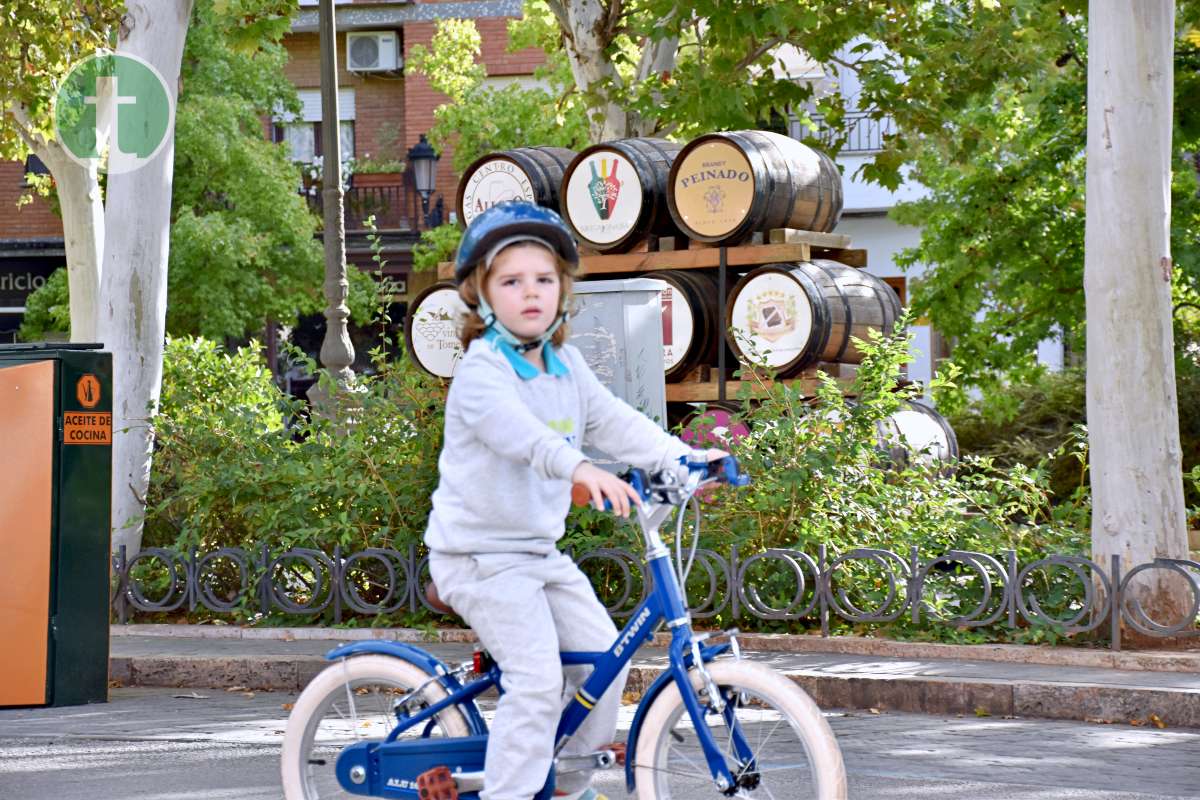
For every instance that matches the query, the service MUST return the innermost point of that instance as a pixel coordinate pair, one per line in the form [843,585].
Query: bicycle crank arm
[469,781]
[600,759]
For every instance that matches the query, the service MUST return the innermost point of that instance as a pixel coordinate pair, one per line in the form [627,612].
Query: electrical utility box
[617,326]
[55,515]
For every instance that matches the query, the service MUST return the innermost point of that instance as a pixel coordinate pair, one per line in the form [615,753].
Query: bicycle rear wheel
[348,702]
[794,752]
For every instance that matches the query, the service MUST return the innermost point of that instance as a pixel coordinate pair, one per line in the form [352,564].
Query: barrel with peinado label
[614,194]
[691,320]
[432,326]
[790,316]
[532,174]
[724,187]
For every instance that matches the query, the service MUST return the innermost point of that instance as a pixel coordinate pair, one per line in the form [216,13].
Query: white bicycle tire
[312,700]
[793,702]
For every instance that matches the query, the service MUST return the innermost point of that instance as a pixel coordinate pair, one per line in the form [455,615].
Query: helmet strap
[492,321]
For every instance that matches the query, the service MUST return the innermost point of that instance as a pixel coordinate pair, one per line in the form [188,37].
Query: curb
[1137,661]
[925,695]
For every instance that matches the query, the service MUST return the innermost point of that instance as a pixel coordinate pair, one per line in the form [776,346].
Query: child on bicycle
[521,406]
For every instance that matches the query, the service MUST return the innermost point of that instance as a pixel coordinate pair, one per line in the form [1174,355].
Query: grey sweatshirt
[511,446]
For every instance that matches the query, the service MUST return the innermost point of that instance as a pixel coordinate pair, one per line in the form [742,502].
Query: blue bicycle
[388,719]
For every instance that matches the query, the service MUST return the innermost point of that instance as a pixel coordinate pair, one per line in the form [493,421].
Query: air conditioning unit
[373,51]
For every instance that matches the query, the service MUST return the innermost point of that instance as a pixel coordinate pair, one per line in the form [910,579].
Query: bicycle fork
[685,644]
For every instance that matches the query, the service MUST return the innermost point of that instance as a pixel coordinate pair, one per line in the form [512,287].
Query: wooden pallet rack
[782,245]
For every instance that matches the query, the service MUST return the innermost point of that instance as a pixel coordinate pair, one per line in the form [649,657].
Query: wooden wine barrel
[614,194]
[431,329]
[713,425]
[691,320]
[533,174]
[726,186]
[918,433]
[864,302]
[790,316]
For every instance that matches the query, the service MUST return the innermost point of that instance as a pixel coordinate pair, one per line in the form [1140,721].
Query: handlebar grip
[581,496]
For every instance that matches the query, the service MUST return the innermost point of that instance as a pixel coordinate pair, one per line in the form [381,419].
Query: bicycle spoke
[693,764]
[761,746]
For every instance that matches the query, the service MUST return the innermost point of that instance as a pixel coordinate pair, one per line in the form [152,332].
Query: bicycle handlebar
[723,470]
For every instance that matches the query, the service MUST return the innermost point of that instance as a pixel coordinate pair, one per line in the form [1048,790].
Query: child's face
[523,288]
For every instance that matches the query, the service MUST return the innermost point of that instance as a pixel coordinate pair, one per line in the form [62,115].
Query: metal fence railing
[864,134]
[865,585]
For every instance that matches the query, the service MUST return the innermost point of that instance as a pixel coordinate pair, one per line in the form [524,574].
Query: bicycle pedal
[618,749]
[437,784]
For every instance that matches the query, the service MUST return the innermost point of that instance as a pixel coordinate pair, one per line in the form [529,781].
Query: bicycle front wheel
[351,701]
[792,751]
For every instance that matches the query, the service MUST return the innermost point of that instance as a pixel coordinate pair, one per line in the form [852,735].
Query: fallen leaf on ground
[247,694]
[1158,723]
[237,688]
[1098,720]
[191,696]
[980,711]
[873,710]
[288,706]
[1137,722]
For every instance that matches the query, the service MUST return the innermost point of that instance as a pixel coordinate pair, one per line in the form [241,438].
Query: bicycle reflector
[483,661]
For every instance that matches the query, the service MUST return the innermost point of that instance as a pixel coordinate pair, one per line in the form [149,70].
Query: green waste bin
[55,509]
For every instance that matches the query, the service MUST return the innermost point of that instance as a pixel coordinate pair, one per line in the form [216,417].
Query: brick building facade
[381,108]
[31,246]
[390,109]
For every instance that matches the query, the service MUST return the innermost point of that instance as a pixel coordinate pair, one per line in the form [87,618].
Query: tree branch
[655,50]
[758,53]
[612,20]
[25,128]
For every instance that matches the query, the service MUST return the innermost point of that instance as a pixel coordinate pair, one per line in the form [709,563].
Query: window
[33,165]
[302,133]
[305,143]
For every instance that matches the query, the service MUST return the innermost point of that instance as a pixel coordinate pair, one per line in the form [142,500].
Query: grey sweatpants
[526,608]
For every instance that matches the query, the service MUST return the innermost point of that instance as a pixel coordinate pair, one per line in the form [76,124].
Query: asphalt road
[172,744]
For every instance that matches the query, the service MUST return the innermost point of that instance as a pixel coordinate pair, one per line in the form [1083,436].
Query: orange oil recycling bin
[55,508]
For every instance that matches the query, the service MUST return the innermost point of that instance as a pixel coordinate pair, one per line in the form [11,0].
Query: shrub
[48,310]
[820,477]
[1037,419]
[239,464]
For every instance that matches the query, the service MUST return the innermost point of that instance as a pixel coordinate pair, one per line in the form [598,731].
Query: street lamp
[422,160]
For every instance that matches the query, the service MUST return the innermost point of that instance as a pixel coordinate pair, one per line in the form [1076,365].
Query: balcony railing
[395,206]
[863,133]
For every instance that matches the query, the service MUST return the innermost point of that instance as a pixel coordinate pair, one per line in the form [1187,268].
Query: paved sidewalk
[173,744]
[220,658]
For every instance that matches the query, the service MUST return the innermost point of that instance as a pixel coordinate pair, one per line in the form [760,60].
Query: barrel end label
[603,198]
[496,181]
[713,189]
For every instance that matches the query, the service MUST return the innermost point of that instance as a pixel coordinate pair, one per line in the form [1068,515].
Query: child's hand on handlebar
[603,485]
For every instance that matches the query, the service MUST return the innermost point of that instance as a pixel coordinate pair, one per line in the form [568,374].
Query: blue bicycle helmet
[512,221]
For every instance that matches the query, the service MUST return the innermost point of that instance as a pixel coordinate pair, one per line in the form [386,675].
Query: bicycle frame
[663,603]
